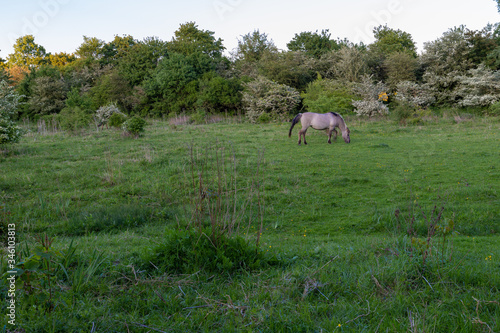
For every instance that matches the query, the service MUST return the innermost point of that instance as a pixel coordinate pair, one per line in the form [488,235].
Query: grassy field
[396,231]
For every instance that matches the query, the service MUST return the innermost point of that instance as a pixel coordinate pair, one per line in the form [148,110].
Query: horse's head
[345,135]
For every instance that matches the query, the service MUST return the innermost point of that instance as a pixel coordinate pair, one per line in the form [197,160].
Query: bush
[494,109]
[73,118]
[185,252]
[105,112]
[323,96]
[9,102]
[264,96]
[117,119]
[134,126]
[373,97]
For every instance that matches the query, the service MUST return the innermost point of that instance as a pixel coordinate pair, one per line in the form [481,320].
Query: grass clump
[188,251]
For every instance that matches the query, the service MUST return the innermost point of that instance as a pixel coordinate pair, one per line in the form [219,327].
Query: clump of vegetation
[104,113]
[373,98]
[325,95]
[265,97]
[10,132]
[134,126]
[189,251]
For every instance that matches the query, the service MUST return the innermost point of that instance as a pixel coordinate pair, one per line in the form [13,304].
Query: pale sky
[59,25]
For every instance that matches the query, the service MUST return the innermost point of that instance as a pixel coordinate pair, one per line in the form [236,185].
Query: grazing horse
[321,121]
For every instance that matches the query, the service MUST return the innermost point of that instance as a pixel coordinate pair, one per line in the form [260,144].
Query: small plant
[37,272]
[134,126]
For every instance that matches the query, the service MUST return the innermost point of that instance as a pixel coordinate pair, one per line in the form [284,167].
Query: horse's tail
[294,121]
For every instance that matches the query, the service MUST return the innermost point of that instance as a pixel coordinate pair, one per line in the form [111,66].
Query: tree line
[191,74]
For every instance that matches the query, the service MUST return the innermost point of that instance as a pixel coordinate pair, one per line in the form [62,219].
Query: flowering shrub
[480,87]
[9,101]
[373,95]
[412,93]
[264,99]
[105,112]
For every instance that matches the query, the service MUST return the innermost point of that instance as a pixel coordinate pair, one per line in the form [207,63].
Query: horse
[321,121]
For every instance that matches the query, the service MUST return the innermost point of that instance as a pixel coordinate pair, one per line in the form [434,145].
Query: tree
[293,68]
[400,66]
[116,49]
[60,60]
[47,96]
[217,94]
[388,41]
[347,64]
[190,40]
[9,102]
[314,44]
[27,53]
[173,86]
[91,48]
[141,60]
[252,46]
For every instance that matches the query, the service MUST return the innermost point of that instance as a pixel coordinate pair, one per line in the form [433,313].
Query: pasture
[397,231]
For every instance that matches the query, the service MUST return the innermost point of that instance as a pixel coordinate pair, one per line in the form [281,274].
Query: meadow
[396,231]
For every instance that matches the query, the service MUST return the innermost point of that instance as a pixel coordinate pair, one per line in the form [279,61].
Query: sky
[59,25]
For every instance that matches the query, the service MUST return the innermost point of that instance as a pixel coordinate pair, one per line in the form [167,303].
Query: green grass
[340,258]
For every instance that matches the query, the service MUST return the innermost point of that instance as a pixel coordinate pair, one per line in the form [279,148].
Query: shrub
[494,109]
[117,119]
[328,95]
[264,96]
[9,102]
[105,112]
[373,96]
[73,118]
[134,126]
[413,94]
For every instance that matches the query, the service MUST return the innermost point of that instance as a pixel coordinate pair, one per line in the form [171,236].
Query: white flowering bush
[9,101]
[373,95]
[413,94]
[265,100]
[104,113]
[480,87]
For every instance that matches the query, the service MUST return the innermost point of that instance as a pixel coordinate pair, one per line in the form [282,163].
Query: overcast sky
[59,25]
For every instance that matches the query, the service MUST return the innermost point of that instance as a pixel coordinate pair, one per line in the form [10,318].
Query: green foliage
[314,44]
[134,126]
[9,102]
[186,252]
[141,59]
[217,94]
[289,68]
[111,88]
[388,41]
[174,85]
[264,96]
[47,96]
[252,46]
[74,118]
[117,119]
[324,95]
[494,109]
[27,53]
[190,40]
[400,66]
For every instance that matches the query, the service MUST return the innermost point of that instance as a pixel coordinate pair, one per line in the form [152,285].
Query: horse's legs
[335,136]
[330,135]
[302,132]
